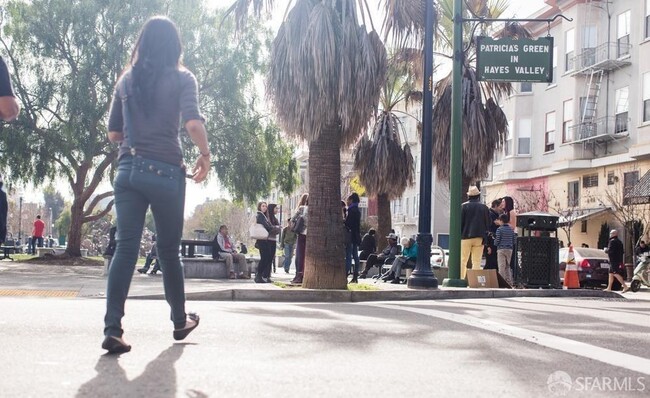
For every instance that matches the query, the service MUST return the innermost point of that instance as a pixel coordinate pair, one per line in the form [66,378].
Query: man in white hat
[474,224]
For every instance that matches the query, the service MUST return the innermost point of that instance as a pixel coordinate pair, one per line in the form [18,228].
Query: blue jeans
[352,251]
[288,255]
[36,240]
[131,203]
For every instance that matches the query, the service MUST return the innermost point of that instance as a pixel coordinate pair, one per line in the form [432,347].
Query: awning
[575,215]
[640,193]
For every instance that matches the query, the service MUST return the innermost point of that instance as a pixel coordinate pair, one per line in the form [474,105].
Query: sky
[199,193]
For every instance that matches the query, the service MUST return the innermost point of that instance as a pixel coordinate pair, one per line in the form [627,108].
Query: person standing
[353,226]
[490,248]
[287,242]
[300,217]
[505,242]
[37,233]
[616,266]
[4,208]
[474,224]
[156,93]
[273,210]
[265,246]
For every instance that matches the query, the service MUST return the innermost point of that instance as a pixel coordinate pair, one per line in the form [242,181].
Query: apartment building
[579,147]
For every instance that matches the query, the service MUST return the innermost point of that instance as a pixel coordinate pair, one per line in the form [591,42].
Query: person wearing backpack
[287,242]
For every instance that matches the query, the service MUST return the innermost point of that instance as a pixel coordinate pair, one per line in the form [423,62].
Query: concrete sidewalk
[24,279]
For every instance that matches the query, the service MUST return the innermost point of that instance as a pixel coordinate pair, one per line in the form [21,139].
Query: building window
[416,205]
[569,49]
[590,181]
[647,18]
[622,107]
[646,96]
[611,178]
[509,140]
[623,34]
[583,226]
[589,43]
[549,135]
[554,77]
[629,181]
[527,87]
[523,137]
[567,121]
[573,197]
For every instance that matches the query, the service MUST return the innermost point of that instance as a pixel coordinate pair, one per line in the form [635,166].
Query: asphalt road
[471,348]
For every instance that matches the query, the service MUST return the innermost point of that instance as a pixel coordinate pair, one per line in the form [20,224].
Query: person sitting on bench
[386,256]
[225,250]
[406,260]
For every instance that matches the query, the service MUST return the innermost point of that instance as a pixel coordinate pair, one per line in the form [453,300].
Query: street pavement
[253,343]
[512,347]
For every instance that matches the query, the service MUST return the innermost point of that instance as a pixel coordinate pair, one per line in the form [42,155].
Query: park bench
[7,251]
[188,247]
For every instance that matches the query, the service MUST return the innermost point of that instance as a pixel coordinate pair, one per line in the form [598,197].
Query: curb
[345,296]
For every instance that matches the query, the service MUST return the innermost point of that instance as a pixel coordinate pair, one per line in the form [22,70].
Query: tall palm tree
[485,125]
[384,165]
[325,74]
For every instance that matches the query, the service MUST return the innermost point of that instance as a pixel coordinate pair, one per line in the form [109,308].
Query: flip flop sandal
[180,334]
[115,345]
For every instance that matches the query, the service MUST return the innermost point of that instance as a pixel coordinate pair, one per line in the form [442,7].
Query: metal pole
[20,219]
[456,174]
[422,277]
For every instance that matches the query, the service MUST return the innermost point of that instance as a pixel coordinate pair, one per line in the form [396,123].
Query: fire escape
[593,65]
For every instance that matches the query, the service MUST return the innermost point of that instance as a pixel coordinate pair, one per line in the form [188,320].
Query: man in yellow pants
[474,223]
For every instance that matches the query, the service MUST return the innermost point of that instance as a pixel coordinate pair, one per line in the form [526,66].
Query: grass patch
[362,287]
[281,285]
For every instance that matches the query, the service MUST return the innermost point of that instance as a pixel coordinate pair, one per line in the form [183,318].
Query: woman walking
[265,246]
[144,119]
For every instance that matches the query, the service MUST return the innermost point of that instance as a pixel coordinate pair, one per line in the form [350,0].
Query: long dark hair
[158,48]
[270,211]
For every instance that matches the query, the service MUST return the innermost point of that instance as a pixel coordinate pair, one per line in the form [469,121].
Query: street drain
[38,293]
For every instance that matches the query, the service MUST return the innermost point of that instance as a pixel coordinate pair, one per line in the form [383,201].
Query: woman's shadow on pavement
[157,380]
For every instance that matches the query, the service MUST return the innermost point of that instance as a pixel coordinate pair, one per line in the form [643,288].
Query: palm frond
[242,9]
[325,70]
[384,165]
[405,21]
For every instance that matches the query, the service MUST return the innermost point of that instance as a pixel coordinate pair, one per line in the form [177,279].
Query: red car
[593,265]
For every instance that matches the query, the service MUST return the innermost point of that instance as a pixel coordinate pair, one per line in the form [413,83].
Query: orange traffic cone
[571,279]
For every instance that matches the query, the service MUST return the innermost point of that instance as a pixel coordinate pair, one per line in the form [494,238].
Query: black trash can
[537,263]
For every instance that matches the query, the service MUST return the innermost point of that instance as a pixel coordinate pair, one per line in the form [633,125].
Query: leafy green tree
[214,213]
[324,80]
[66,56]
[384,164]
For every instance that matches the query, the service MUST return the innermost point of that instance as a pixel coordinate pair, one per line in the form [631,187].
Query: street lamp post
[422,277]
[20,219]
[456,167]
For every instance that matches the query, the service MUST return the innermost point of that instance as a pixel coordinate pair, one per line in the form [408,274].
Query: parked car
[593,265]
[437,258]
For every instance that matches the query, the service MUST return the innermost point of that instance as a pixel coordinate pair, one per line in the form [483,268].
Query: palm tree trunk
[466,183]
[383,220]
[325,254]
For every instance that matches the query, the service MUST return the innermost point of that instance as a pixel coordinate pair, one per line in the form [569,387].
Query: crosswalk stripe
[604,355]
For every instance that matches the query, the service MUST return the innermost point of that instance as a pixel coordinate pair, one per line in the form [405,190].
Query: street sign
[515,60]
